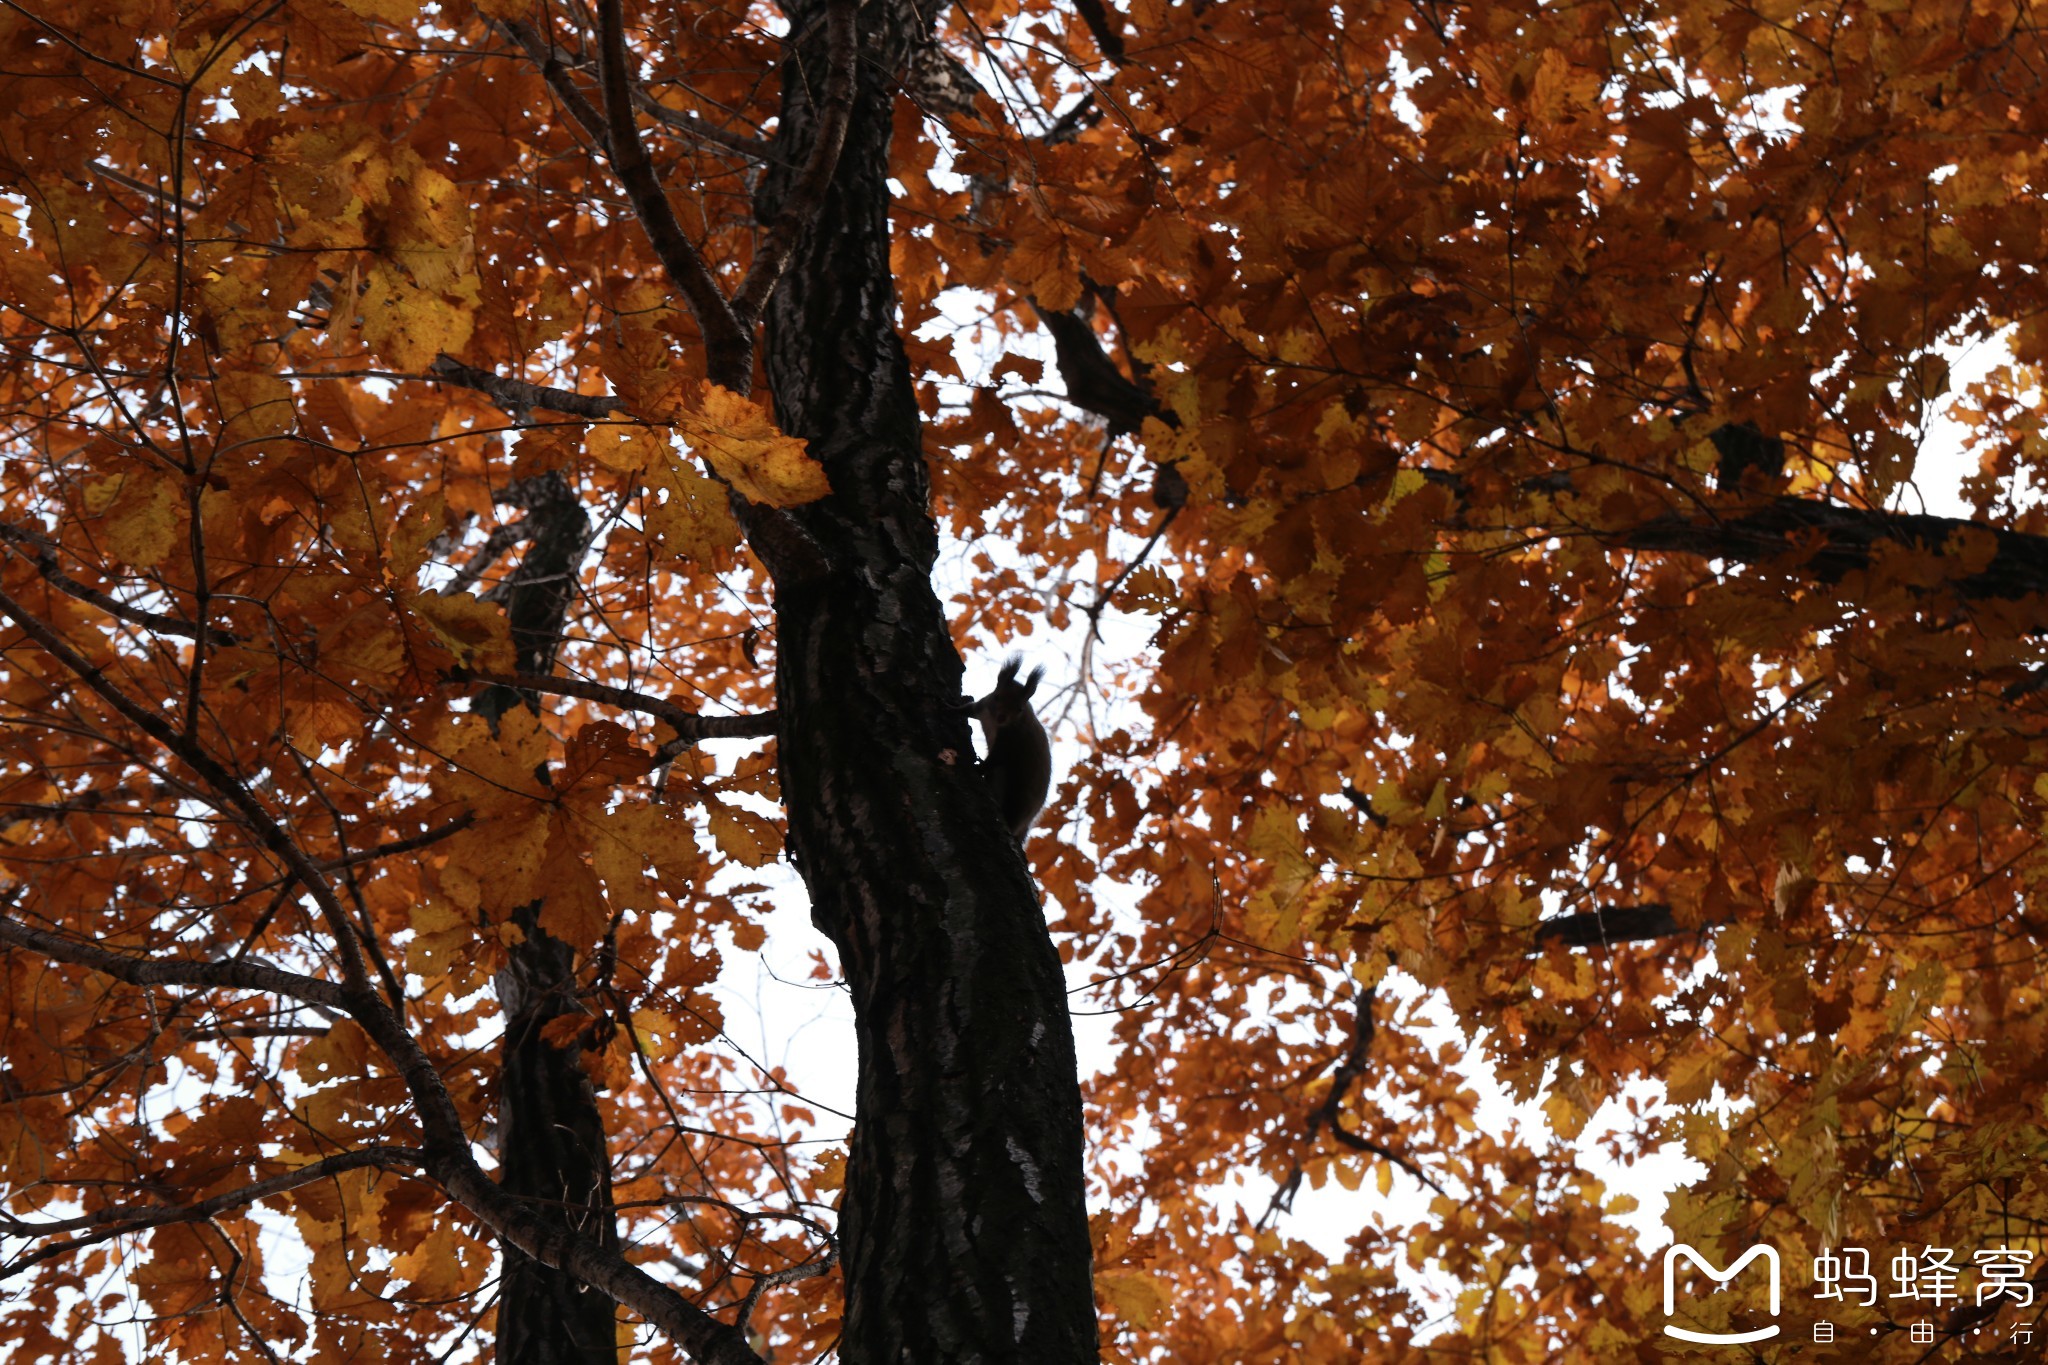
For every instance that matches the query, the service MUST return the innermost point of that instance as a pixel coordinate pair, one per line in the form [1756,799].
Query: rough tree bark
[963,1234]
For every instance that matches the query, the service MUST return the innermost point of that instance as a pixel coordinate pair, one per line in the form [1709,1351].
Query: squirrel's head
[1010,697]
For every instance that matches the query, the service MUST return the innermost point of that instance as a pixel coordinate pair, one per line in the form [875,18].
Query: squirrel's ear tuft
[1031,683]
[1008,672]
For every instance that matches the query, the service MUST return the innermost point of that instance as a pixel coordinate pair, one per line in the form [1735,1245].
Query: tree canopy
[427,424]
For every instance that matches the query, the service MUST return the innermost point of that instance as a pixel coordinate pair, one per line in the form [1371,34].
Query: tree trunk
[963,1233]
[551,1150]
[551,1139]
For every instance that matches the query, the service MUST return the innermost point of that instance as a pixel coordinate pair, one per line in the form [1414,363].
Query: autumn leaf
[749,453]
[601,753]
[141,515]
[743,836]
[1530,518]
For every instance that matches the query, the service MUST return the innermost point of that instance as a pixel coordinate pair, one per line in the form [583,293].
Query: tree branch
[518,395]
[1330,1115]
[105,1224]
[701,130]
[243,975]
[406,845]
[1103,26]
[487,554]
[1094,383]
[804,200]
[1827,539]
[545,55]
[809,1270]
[555,67]
[1833,539]
[688,725]
[1605,927]
[44,557]
[229,793]
[729,359]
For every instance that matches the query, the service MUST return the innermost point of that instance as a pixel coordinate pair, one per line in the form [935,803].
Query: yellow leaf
[1135,1296]
[444,1265]
[1691,1076]
[743,836]
[410,326]
[469,628]
[600,754]
[627,447]
[1150,590]
[407,548]
[390,11]
[656,1033]
[253,404]
[142,516]
[694,520]
[343,1053]
[1567,1117]
[574,907]
[748,451]
[439,933]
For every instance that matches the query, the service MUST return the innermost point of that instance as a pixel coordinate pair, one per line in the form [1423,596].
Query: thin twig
[397,846]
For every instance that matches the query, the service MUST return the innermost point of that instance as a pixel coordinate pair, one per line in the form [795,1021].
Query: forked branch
[545,55]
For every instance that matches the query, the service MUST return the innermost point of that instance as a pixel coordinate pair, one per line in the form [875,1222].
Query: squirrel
[1019,762]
